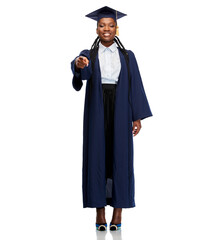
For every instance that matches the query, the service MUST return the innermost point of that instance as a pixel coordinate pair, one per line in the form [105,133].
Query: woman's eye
[101,26]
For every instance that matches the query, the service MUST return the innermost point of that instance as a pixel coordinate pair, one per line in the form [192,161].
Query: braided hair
[126,56]
[94,52]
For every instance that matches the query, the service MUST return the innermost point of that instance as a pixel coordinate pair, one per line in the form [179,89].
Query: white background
[175,43]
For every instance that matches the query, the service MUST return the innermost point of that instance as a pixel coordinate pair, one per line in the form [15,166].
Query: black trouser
[109,93]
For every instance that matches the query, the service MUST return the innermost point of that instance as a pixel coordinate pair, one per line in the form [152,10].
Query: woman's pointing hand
[81,62]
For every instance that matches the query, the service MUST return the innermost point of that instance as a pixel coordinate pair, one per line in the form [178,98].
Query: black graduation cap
[106,12]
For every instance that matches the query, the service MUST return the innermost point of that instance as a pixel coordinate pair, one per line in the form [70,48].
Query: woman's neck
[107,44]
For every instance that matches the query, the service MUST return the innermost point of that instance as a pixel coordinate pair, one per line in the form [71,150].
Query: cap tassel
[117,30]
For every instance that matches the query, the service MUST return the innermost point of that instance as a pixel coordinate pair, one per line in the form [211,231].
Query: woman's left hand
[136,127]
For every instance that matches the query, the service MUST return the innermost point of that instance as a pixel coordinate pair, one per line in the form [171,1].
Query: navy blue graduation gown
[93,172]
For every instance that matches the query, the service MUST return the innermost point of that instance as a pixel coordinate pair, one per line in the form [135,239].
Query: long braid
[93,54]
[126,56]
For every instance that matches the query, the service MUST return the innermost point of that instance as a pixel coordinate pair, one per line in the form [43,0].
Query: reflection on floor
[116,235]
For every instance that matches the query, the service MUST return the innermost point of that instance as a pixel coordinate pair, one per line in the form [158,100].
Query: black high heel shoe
[101,227]
[115,227]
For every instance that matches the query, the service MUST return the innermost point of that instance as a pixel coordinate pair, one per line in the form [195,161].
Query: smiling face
[106,31]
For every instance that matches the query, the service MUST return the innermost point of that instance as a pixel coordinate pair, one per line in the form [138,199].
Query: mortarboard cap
[106,12]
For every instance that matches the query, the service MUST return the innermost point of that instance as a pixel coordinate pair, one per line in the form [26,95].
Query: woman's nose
[106,27]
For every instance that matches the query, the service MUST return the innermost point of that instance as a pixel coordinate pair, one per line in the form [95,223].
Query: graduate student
[115,104]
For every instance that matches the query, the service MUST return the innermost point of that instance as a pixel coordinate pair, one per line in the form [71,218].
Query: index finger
[81,58]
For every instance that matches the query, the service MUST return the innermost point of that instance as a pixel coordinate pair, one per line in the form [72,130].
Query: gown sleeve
[83,74]
[140,105]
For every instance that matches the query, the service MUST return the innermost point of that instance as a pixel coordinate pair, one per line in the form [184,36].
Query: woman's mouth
[106,34]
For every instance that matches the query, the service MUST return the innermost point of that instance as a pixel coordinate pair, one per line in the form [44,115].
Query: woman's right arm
[81,69]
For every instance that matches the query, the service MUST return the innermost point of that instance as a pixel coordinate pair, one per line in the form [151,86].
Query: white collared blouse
[110,66]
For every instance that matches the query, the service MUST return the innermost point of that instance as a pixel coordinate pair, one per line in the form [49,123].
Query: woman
[115,104]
